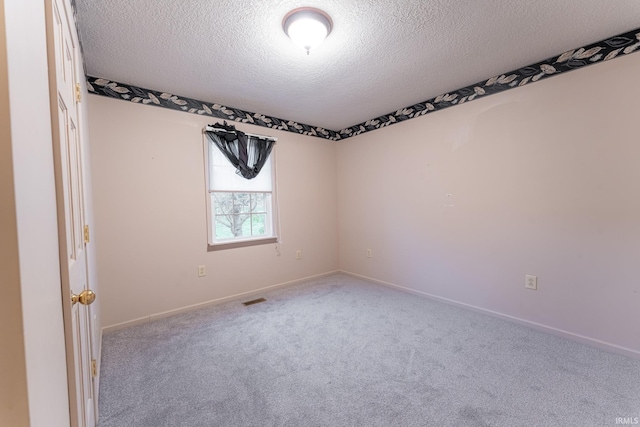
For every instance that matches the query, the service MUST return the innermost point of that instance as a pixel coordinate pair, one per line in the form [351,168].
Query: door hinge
[94,368]
[78,97]
[86,233]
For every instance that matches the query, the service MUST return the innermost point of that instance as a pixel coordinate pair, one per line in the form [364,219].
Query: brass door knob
[86,297]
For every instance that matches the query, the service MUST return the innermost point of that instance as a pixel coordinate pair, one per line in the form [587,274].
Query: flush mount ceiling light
[307,26]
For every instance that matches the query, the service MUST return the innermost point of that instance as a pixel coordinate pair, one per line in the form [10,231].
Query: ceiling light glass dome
[307,27]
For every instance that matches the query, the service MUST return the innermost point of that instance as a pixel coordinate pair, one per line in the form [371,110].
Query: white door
[65,63]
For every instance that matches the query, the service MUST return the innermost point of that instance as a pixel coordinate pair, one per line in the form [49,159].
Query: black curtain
[247,153]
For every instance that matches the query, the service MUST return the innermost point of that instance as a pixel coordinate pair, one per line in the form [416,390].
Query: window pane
[257,203]
[241,215]
[223,203]
[258,222]
[241,203]
[223,228]
[246,226]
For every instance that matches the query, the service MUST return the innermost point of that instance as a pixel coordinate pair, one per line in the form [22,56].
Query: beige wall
[149,200]
[31,295]
[14,406]
[544,180]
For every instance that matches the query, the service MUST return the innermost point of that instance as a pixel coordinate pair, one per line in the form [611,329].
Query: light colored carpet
[339,351]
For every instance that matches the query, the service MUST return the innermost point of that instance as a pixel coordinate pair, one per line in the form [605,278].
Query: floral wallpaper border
[604,50]
[174,102]
[622,44]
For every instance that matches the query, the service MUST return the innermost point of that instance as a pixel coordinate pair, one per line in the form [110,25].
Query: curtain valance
[246,152]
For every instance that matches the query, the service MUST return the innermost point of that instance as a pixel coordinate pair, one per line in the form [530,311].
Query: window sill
[241,244]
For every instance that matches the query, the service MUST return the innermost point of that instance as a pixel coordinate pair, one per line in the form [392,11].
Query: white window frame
[215,245]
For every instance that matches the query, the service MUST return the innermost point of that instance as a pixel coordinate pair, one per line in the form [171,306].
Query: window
[241,212]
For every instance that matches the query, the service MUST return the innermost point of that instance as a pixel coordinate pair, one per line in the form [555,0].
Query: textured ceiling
[380,56]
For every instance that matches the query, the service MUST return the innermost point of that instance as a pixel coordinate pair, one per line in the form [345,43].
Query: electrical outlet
[531,282]
[202,270]
[298,254]
[368,253]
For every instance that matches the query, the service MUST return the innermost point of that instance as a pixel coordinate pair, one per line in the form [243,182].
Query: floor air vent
[255,301]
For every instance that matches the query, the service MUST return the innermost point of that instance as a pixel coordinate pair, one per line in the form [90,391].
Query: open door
[64,72]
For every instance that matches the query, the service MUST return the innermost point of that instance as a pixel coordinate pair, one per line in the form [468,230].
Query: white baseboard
[534,325]
[174,312]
